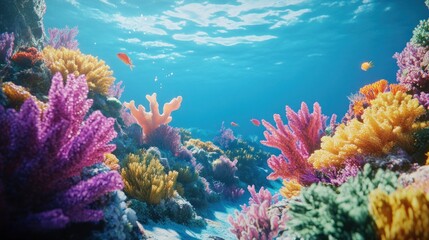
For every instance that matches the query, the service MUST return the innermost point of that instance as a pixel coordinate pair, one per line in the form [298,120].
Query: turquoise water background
[243,59]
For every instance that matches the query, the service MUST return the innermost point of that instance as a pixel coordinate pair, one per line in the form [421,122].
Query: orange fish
[234,124]
[366,65]
[255,122]
[124,57]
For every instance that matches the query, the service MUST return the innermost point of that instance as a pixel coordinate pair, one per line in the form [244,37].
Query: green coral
[427,3]
[325,212]
[421,34]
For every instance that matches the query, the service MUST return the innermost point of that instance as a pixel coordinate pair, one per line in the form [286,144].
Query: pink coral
[256,221]
[296,142]
[151,120]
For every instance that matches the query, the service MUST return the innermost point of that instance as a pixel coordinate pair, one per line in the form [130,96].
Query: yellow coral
[208,146]
[145,179]
[186,174]
[404,214]
[18,94]
[66,61]
[389,121]
[290,189]
[111,161]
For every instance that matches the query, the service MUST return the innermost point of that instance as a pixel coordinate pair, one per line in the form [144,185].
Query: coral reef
[145,179]
[420,34]
[225,137]
[42,188]
[403,214]
[390,121]
[65,37]
[98,74]
[322,212]
[111,161]
[149,121]
[255,221]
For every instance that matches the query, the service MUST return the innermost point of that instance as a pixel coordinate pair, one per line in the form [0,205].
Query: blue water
[243,59]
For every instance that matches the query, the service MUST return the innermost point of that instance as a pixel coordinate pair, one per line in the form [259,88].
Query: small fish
[366,65]
[234,124]
[255,122]
[124,57]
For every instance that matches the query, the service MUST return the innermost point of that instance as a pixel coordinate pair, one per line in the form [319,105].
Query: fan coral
[323,212]
[43,155]
[6,46]
[165,138]
[145,179]
[17,95]
[225,137]
[403,214]
[98,74]
[389,121]
[63,38]
[296,142]
[256,221]
[149,121]
[27,57]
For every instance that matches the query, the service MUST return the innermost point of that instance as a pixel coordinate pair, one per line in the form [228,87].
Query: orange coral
[371,91]
[111,161]
[358,107]
[27,57]
[394,88]
[151,120]
[18,94]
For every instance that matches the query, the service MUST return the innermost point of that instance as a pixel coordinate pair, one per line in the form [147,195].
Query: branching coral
[296,142]
[42,157]
[63,38]
[98,74]
[322,212]
[413,63]
[145,179]
[149,121]
[404,214]
[389,121]
[6,46]
[256,221]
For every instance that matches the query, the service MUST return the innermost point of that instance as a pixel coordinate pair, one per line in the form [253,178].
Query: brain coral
[65,61]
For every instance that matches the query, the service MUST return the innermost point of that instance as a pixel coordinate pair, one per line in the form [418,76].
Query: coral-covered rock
[25,19]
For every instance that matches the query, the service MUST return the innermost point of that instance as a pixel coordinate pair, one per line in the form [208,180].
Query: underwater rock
[25,19]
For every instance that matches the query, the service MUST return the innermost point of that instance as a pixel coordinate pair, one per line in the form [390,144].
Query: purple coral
[296,142]
[224,170]
[63,38]
[256,221]
[42,156]
[413,71]
[166,138]
[6,47]
[116,90]
[225,137]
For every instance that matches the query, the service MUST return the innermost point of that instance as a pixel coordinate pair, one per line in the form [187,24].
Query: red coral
[27,57]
